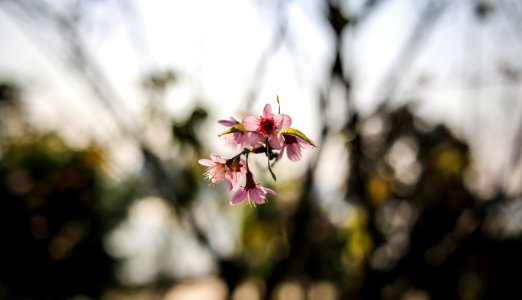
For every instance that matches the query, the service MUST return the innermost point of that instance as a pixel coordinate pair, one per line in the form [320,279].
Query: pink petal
[250,123]
[217,158]
[228,123]
[267,111]
[283,121]
[229,183]
[269,191]
[238,196]
[293,152]
[257,195]
[233,180]
[206,162]
[254,139]
[303,144]
[276,141]
[238,138]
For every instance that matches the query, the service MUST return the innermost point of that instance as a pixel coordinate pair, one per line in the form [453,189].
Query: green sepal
[297,133]
[236,128]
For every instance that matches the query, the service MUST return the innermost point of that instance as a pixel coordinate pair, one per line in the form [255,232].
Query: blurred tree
[51,226]
[10,110]
[414,228]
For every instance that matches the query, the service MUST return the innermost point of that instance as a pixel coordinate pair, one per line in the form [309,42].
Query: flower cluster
[269,134]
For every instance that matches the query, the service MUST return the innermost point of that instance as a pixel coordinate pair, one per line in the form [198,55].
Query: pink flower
[241,138]
[229,123]
[252,192]
[267,127]
[224,170]
[293,147]
[238,137]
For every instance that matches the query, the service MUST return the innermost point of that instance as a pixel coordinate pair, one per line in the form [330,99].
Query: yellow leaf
[297,133]
[236,128]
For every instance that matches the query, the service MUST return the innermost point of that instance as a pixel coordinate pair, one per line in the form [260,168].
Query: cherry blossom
[252,192]
[269,135]
[293,147]
[224,170]
[236,135]
[268,126]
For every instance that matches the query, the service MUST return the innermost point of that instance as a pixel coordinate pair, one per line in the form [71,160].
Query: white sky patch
[332,169]
[151,242]
[375,46]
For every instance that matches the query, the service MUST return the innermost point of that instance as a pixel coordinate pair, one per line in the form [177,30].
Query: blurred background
[414,190]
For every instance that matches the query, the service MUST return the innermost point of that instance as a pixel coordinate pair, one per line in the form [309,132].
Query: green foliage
[159,81]
[9,94]
[52,223]
[185,132]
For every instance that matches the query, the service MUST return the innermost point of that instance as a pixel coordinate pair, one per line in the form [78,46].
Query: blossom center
[267,126]
[289,139]
[234,165]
